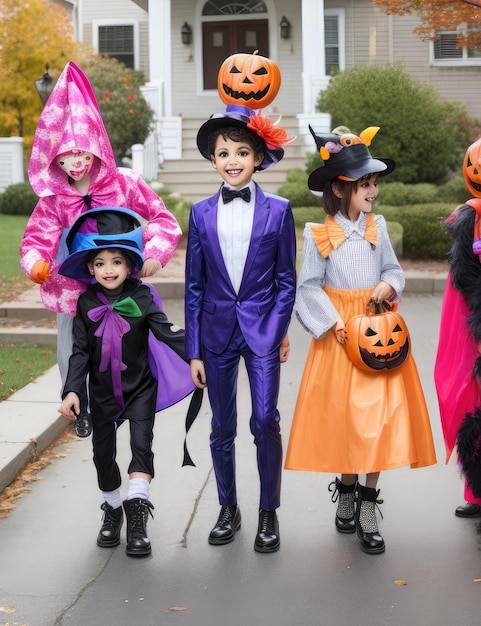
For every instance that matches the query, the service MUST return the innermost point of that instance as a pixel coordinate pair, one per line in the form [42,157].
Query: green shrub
[302,215]
[424,235]
[295,189]
[426,136]
[454,190]
[18,199]
[400,194]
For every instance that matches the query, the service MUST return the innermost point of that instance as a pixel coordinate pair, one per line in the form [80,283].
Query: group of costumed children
[98,229]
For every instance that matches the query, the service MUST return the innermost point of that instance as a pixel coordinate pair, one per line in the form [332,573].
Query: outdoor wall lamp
[186,34]
[44,85]
[285,26]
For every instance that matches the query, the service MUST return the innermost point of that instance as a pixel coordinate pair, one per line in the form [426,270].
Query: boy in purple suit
[240,290]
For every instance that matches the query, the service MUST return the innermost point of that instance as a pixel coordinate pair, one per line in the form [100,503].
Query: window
[445,50]
[221,7]
[118,39]
[334,40]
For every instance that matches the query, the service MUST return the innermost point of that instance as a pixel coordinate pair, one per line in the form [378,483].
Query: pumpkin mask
[377,340]
[472,168]
[248,79]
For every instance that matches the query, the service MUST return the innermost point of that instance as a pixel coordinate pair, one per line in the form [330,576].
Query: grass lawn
[19,364]
[12,278]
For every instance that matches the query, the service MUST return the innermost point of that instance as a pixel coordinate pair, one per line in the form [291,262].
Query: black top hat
[240,116]
[346,156]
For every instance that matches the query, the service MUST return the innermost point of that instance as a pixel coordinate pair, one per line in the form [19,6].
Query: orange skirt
[354,422]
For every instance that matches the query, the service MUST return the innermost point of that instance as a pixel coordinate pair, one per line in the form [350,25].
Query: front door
[221,39]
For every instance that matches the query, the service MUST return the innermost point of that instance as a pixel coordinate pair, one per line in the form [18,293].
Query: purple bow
[111,329]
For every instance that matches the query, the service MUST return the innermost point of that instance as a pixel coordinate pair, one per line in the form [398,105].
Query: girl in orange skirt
[347,420]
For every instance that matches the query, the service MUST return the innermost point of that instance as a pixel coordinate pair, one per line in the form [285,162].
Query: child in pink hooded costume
[71,124]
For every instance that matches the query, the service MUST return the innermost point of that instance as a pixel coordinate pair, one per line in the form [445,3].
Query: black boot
[228,523]
[366,522]
[137,512]
[109,535]
[267,538]
[344,495]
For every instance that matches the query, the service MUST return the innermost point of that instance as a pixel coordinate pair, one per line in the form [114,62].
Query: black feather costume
[465,271]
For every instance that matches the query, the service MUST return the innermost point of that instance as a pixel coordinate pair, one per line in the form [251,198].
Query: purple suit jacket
[263,306]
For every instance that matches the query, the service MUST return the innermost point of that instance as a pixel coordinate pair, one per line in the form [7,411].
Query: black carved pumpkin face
[472,168]
[377,342]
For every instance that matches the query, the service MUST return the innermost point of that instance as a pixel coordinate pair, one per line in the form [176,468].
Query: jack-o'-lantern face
[249,80]
[472,168]
[376,342]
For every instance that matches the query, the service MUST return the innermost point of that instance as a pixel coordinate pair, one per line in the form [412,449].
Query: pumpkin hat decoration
[246,83]
[248,79]
[346,156]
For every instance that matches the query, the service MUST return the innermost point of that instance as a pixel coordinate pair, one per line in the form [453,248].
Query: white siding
[190,101]
[395,42]
[115,10]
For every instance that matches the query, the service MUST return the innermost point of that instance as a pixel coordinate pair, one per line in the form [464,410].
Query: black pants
[104,441]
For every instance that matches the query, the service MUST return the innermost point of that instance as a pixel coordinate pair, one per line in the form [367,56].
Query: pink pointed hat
[70,120]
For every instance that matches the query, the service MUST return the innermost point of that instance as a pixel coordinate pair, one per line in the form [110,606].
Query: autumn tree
[441,15]
[33,33]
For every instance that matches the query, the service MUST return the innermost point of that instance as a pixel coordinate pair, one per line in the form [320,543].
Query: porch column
[314,77]
[160,53]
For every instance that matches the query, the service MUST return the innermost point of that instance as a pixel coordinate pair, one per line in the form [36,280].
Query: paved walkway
[52,573]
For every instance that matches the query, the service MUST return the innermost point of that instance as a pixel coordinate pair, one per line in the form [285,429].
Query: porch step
[193,177]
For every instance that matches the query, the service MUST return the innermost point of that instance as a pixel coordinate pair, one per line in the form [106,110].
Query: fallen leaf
[400,582]
[7,609]
[476,580]
[177,608]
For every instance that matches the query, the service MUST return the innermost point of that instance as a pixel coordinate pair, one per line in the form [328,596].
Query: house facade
[179,45]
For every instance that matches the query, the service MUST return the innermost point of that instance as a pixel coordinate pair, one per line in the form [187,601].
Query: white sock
[138,488]
[113,498]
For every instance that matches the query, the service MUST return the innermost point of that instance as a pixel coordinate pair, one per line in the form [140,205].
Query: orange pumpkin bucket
[378,339]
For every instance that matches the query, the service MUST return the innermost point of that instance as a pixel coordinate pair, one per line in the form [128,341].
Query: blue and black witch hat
[100,228]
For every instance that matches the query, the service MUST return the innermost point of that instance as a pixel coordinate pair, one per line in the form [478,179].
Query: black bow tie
[229,194]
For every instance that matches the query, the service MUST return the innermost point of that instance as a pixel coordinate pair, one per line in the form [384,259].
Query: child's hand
[284,349]
[149,268]
[383,291]
[197,372]
[40,271]
[70,406]
[340,331]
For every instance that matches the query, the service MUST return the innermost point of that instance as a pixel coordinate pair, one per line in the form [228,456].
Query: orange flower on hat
[273,137]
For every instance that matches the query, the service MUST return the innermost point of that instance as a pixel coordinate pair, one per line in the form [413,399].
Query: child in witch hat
[72,169]
[240,287]
[347,420]
[115,317]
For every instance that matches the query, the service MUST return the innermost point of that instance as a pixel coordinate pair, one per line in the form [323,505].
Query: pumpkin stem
[256,52]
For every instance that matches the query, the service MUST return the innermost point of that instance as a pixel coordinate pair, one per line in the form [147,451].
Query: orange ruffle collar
[330,235]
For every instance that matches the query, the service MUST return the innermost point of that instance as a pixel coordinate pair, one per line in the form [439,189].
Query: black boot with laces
[137,513]
[366,522]
[109,534]
[267,538]
[345,497]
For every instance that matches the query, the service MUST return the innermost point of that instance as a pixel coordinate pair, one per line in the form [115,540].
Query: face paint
[76,164]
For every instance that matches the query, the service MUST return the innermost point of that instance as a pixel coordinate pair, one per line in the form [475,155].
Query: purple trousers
[264,378]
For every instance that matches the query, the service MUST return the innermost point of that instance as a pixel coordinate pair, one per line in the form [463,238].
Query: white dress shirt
[234,228]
